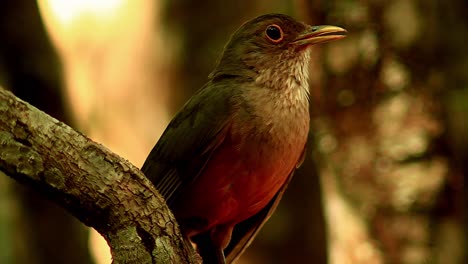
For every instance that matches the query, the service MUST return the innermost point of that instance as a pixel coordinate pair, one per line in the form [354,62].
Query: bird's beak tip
[320,34]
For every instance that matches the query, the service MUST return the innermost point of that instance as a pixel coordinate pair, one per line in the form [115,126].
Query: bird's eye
[274,33]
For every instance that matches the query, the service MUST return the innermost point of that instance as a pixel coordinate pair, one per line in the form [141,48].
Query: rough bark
[101,189]
[30,67]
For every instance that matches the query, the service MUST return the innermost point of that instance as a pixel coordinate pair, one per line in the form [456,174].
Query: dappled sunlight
[67,12]
[111,60]
[114,75]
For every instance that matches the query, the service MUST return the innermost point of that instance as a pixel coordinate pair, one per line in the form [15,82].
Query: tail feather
[208,251]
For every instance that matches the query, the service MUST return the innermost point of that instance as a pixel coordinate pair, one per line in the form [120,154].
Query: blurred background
[383,181]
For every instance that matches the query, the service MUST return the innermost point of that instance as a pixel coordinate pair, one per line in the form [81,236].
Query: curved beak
[320,34]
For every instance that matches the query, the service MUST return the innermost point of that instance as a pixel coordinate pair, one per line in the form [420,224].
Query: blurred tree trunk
[30,67]
[392,188]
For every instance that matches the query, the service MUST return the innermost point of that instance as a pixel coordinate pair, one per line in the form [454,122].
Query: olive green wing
[189,141]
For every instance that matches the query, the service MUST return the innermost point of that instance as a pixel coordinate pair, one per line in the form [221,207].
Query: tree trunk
[99,188]
[391,185]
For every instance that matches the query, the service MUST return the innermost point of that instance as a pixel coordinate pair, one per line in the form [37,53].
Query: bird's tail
[207,250]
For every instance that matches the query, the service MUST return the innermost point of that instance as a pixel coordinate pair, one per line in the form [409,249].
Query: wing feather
[189,140]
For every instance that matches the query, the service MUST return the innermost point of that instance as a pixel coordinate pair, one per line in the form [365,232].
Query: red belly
[236,184]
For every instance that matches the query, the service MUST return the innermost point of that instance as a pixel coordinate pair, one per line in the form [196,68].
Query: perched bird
[224,161]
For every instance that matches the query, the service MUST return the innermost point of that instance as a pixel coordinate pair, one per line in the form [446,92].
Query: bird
[225,159]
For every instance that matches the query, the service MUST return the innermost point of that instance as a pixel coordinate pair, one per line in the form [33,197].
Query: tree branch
[98,187]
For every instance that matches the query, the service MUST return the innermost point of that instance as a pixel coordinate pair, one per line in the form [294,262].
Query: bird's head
[272,47]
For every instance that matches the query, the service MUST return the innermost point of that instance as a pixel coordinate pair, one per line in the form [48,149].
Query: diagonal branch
[98,187]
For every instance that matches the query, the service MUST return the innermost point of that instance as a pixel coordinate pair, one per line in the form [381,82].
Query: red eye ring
[274,33]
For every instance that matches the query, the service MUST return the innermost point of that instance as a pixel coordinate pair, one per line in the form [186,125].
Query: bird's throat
[288,74]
